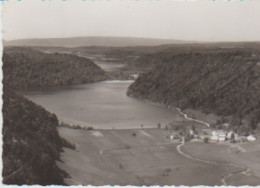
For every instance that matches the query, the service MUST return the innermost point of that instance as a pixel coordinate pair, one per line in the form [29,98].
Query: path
[244,170]
[186,117]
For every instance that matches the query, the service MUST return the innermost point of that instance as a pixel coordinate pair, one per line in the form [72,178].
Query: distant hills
[92,41]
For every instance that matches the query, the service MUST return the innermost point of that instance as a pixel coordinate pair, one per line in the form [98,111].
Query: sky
[196,20]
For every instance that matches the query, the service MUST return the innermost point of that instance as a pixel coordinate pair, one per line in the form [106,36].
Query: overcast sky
[200,20]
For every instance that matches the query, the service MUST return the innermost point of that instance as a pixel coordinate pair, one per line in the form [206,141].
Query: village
[209,135]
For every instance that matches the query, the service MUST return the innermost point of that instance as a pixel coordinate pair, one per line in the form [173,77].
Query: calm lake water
[102,105]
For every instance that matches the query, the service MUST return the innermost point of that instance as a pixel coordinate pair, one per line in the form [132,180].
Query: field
[138,157]
[246,156]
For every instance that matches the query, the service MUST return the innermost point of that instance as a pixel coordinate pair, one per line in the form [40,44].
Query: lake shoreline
[181,114]
[103,105]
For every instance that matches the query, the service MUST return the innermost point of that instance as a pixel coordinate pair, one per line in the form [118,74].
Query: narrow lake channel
[102,105]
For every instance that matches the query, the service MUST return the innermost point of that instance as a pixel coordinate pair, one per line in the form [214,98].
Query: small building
[191,132]
[218,135]
[206,131]
[214,138]
[251,138]
[202,136]
[135,76]
[222,138]
[175,138]
[229,135]
[196,136]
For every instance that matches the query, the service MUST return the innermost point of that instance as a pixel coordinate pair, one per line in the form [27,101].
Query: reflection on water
[102,105]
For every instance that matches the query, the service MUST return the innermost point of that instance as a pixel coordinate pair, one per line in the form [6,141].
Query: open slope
[147,157]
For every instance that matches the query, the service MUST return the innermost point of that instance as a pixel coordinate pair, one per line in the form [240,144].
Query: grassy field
[117,157]
[245,156]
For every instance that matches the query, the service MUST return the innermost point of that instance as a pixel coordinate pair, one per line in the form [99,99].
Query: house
[214,138]
[229,135]
[175,138]
[251,138]
[134,76]
[218,135]
[192,132]
[172,137]
[222,138]
[206,131]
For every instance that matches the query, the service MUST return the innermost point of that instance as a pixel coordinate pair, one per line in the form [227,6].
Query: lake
[102,105]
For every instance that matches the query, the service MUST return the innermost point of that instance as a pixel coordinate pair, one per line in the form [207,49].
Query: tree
[253,123]
[244,131]
[206,139]
[233,136]
[236,120]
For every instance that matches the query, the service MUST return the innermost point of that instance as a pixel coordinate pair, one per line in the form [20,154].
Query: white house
[222,138]
[214,138]
[218,135]
[251,138]
[135,76]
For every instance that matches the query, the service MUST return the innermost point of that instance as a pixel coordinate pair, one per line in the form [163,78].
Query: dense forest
[29,68]
[31,143]
[225,82]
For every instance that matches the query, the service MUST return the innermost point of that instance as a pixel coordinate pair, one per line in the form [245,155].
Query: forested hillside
[31,143]
[29,68]
[226,82]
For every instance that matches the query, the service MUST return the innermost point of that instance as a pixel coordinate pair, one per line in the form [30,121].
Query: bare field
[245,156]
[135,157]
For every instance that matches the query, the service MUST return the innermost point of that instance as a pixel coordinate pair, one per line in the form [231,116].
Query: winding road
[224,178]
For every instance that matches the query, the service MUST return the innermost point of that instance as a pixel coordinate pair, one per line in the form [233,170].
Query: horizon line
[165,39]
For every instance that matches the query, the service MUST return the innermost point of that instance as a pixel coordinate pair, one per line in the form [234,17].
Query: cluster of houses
[214,136]
[222,136]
